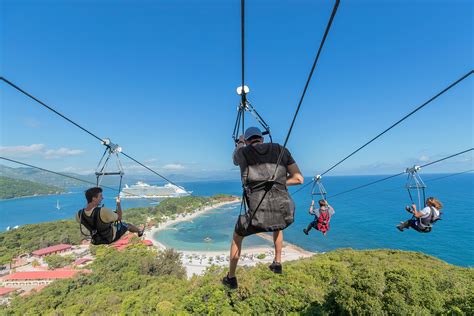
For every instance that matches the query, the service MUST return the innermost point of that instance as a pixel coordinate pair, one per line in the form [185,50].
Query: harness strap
[92,229]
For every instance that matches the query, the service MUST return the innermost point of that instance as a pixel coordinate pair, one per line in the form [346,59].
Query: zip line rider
[270,207]
[104,225]
[322,216]
[422,220]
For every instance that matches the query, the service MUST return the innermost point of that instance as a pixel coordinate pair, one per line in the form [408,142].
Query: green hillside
[35,236]
[139,281]
[12,188]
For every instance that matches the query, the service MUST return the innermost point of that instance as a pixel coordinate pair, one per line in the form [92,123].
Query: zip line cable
[426,181]
[401,173]
[395,124]
[449,176]
[368,184]
[82,128]
[48,107]
[54,172]
[439,160]
[268,184]
[245,105]
[67,176]
[402,119]
[326,32]
[242,20]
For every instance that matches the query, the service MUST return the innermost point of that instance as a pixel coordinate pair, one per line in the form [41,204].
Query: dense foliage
[28,238]
[32,237]
[139,281]
[57,261]
[11,188]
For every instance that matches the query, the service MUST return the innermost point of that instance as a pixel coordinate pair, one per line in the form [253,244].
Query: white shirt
[427,211]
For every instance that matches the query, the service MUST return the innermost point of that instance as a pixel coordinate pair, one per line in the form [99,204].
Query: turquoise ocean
[364,219]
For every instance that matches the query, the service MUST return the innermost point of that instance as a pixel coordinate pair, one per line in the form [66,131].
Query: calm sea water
[364,218]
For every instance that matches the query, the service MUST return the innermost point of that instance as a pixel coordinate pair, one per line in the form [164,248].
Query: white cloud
[37,150]
[424,158]
[173,166]
[81,171]
[21,151]
[61,152]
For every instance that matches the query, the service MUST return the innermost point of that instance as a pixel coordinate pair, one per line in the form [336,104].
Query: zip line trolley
[416,185]
[111,151]
[246,106]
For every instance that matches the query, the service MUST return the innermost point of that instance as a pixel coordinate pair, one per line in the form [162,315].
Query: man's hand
[240,142]
[117,199]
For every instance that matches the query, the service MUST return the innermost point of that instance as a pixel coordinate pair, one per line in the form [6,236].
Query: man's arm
[294,176]
[237,155]
[118,209]
[416,213]
[311,208]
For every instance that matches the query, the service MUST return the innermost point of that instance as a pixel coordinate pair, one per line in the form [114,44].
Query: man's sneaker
[276,267]
[400,227]
[305,231]
[140,233]
[230,282]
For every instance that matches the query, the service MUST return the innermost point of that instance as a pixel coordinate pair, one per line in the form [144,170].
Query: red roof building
[147,242]
[123,242]
[81,261]
[52,250]
[41,275]
[7,290]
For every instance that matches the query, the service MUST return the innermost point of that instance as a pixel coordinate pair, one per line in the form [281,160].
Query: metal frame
[414,182]
[110,150]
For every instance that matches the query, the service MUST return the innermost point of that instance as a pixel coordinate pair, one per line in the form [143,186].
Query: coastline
[33,196]
[197,261]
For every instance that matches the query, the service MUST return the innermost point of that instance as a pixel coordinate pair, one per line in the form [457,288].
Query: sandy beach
[196,262]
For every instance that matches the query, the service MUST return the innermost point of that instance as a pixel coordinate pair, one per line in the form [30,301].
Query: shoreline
[32,196]
[197,261]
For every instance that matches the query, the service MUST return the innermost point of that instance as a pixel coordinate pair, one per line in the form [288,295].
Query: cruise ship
[143,190]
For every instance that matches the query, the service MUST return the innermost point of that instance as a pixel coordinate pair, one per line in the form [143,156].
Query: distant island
[13,188]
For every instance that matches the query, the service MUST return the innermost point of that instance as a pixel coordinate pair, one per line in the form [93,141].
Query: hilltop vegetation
[12,188]
[28,238]
[140,281]
[32,237]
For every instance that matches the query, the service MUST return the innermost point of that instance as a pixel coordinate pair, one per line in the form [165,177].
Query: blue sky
[159,78]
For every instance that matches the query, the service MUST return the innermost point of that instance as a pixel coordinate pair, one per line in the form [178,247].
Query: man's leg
[235,250]
[278,241]
[307,229]
[403,225]
[134,229]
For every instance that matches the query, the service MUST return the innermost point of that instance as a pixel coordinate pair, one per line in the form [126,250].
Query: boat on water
[144,190]
[57,205]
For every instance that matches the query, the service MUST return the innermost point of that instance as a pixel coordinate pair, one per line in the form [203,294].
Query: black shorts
[121,228]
